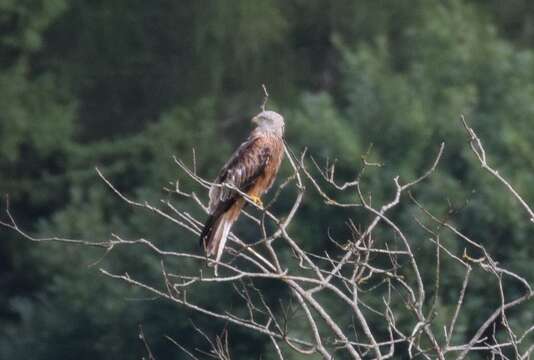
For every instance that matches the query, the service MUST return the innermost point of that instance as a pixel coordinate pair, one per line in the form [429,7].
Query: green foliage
[126,85]
[25,21]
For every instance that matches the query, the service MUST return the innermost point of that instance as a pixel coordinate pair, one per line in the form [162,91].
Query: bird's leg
[256,200]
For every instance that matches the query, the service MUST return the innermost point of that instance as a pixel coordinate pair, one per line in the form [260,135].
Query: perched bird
[251,169]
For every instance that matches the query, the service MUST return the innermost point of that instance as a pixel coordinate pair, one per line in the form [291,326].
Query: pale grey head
[270,121]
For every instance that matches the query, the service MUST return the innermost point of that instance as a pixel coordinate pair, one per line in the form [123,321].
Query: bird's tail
[215,233]
[214,229]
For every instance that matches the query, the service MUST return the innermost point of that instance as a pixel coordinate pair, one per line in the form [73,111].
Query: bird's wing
[244,167]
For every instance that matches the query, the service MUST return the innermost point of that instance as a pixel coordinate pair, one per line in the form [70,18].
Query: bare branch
[478,149]
[332,290]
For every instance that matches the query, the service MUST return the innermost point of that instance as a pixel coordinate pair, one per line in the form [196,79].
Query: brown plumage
[252,169]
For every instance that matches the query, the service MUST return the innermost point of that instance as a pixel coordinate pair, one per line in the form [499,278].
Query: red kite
[251,169]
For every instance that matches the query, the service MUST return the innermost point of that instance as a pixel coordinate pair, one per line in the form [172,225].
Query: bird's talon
[257,200]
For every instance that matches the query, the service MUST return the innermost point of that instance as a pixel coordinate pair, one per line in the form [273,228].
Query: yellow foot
[256,200]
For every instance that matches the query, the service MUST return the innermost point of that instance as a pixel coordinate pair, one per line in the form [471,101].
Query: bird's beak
[255,120]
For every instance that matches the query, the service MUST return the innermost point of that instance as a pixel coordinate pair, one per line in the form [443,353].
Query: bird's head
[270,121]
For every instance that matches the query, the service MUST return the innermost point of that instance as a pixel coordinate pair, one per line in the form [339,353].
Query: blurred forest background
[124,85]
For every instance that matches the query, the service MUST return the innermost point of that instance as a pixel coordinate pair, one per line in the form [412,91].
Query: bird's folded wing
[244,167]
